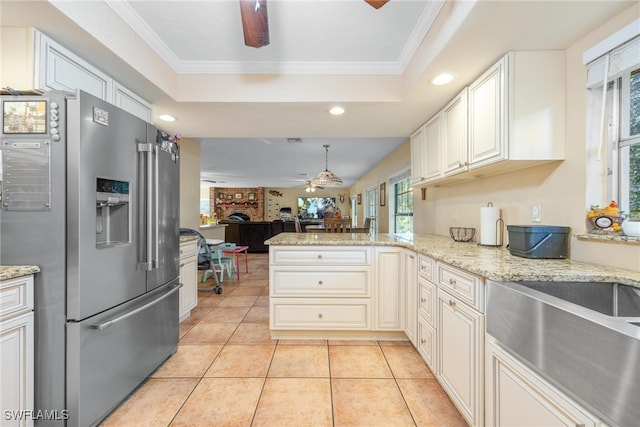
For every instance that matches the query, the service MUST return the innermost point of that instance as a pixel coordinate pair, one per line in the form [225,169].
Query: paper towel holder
[499,231]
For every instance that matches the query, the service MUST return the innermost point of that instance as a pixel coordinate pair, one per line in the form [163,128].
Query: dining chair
[220,263]
[337,225]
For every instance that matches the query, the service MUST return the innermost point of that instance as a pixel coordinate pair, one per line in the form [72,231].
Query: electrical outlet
[536,214]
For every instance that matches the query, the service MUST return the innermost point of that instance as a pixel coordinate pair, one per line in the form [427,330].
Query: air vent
[294,140]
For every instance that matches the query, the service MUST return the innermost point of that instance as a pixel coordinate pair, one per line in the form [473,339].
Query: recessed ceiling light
[442,79]
[167,118]
[336,111]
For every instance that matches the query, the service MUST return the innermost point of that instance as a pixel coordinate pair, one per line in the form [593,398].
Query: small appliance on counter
[538,241]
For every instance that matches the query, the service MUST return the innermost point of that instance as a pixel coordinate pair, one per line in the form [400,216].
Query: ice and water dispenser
[112,213]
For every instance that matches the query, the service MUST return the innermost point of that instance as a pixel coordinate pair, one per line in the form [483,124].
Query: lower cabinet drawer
[348,281]
[320,314]
[16,296]
[427,343]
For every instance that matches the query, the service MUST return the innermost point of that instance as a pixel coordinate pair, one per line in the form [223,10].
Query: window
[614,138]
[371,208]
[402,203]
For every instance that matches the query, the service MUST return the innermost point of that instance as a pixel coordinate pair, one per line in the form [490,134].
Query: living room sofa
[254,233]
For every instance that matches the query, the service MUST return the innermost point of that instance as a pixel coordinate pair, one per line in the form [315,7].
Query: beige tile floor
[229,372]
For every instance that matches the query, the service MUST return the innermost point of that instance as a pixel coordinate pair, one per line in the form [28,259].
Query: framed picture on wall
[251,196]
[238,196]
[383,194]
[359,198]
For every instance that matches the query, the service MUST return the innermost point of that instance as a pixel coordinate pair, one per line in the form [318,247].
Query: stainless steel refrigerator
[90,193]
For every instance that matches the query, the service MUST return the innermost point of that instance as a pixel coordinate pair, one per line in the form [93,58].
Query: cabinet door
[433,149]
[189,290]
[61,69]
[129,101]
[460,348]
[487,110]
[454,135]
[417,156]
[517,396]
[389,290]
[409,276]
[16,365]
[427,341]
[188,277]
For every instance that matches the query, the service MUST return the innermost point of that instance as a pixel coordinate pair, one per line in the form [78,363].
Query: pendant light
[326,178]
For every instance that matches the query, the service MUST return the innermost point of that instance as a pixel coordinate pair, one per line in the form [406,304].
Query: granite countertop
[492,263]
[188,238]
[12,271]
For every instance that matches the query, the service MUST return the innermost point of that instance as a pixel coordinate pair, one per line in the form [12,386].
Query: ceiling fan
[310,188]
[255,20]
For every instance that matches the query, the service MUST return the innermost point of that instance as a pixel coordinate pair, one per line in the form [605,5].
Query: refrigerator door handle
[147,149]
[104,325]
[156,221]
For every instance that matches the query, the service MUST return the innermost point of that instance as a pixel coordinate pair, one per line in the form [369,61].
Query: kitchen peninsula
[491,263]
[434,292]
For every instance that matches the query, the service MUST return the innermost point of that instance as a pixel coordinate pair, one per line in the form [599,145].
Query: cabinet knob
[412,256]
[452,303]
[423,300]
[181,265]
[319,282]
[452,282]
[319,256]
[320,316]
[422,341]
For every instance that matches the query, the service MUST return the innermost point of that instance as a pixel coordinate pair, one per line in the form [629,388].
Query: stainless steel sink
[582,337]
[611,299]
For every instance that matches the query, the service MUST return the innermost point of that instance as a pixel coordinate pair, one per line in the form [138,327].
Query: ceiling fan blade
[255,22]
[377,4]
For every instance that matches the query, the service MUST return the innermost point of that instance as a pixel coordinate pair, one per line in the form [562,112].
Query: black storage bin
[538,241]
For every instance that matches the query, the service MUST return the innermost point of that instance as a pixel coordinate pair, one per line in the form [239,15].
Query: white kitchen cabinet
[390,292]
[515,395]
[417,156]
[426,152]
[427,344]
[33,61]
[426,307]
[517,110]
[320,288]
[60,69]
[460,337]
[188,277]
[16,349]
[409,280]
[454,135]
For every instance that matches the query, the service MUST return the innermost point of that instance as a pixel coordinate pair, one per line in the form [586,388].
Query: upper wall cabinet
[454,135]
[33,61]
[426,144]
[511,117]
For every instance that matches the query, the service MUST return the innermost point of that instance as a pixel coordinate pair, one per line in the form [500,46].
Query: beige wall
[396,162]
[189,183]
[559,188]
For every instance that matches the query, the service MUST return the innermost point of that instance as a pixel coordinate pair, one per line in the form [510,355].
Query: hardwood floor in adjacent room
[229,372]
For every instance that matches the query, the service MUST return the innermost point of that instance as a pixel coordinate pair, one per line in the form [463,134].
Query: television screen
[315,207]
[24,117]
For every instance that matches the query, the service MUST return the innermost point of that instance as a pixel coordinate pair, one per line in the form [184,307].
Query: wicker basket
[462,234]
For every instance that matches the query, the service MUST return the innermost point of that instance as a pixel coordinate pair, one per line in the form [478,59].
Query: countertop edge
[491,263]
[8,272]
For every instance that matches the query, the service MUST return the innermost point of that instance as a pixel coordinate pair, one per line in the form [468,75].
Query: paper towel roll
[489,232]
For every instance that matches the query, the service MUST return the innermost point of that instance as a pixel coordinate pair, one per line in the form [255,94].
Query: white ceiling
[188,59]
